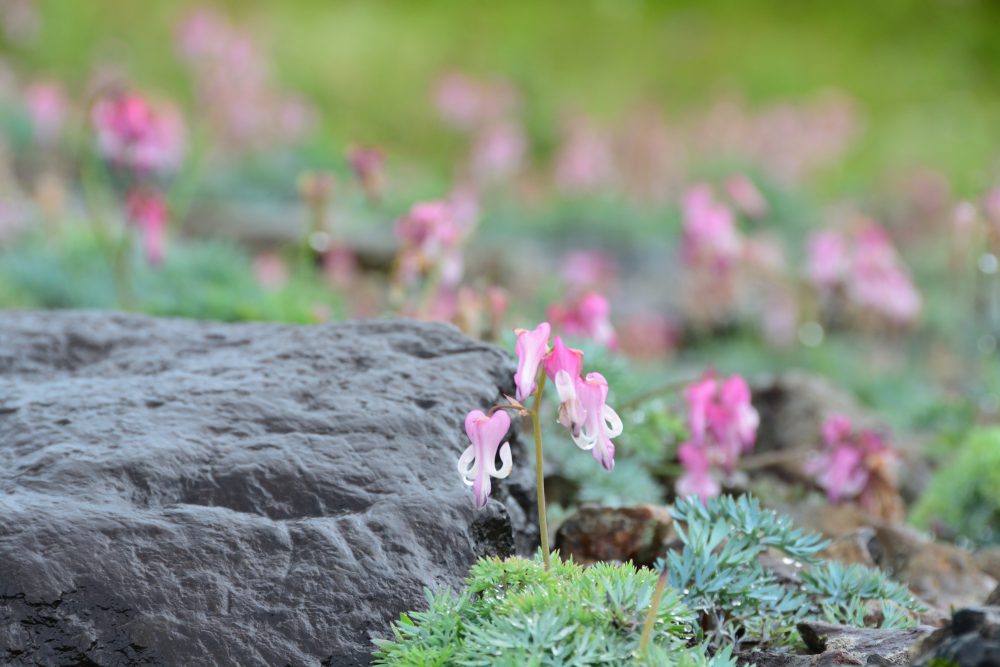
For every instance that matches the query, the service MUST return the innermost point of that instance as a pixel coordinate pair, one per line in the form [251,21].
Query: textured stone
[184,493]
[972,639]
[637,534]
[861,645]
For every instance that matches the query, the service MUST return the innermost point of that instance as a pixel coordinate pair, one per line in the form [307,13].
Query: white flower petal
[507,462]
[612,421]
[467,465]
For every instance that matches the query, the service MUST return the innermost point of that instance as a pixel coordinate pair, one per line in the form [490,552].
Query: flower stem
[654,606]
[543,524]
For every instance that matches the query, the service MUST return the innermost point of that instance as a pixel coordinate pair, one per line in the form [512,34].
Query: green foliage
[204,279]
[515,613]
[963,493]
[721,575]
[720,594]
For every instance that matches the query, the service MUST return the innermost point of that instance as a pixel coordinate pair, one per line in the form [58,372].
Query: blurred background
[747,186]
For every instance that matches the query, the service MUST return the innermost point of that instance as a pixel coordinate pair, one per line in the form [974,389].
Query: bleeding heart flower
[148,210]
[697,479]
[852,463]
[601,422]
[478,462]
[721,419]
[564,366]
[531,349]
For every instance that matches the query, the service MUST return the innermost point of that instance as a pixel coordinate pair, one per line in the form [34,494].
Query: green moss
[963,493]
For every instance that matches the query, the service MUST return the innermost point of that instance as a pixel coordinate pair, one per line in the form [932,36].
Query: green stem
[654,606]
[543,525]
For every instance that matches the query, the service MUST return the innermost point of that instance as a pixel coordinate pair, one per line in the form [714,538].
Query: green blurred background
[925,74]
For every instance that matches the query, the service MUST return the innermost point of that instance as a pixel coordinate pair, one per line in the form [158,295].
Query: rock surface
[184,493]
[638,534]
[972,639]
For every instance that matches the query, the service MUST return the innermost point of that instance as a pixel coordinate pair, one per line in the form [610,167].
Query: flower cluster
[867,269]
[132,133]
[583,409]
[234,86]
[711,239]
[853,464]
[588,316]
[723,426]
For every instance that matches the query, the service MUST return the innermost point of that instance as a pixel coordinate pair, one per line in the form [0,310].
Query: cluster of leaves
[514,613]
[722,577]
[962,495]
[200,278]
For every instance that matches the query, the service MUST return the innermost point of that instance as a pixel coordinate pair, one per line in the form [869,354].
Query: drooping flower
[601,422]
[531,349]
[584,162]
[147,210]
[827,258]
[564,365]
[697,478]
[478,462]
[878,281]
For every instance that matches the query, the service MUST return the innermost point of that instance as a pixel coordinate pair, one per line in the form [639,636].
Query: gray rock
[864,645]
[972,639]
[183,493]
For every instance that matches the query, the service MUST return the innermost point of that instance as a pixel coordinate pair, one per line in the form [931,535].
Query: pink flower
[851,462]
[601,422]
[877,281]
[498,151]
[148,210]
[531,348]
[46,102]
[564,365]
[710,236]
[827,259]
[270,271]
[697,479]
[587,317]
[746,196]
[478,462]
[367,163]
[721,419]
[134,134]
[584,162]
[429,227]
[587,269]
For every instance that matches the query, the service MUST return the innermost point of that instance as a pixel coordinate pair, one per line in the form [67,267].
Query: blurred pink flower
[531,348]
[270,271]
[721,419]
[429,227]
[711,239]
[367,163]
[827,258]
[465,103]
[147,210]
[498,151]
[588,269]
[584,162]
[478,462]
[133,133]
[588,317]
[877,280]
[48,108]
[850,462]
[746,196]
[697,479]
